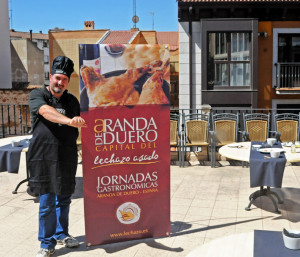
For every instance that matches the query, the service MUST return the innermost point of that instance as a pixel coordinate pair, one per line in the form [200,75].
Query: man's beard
[57,89]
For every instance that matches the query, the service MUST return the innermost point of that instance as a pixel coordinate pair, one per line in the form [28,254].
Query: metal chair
[256,126]
[175,133]
[287,126]
[195,134]
[225,131]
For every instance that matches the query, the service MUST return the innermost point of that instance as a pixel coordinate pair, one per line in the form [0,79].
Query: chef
[52,155]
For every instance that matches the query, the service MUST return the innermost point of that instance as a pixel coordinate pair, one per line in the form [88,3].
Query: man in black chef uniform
[52,155]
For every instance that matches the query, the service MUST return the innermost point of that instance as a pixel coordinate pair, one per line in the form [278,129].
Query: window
[286,59]
[288,48]
[286,56]
[46,59]
[229,55]
[228,59]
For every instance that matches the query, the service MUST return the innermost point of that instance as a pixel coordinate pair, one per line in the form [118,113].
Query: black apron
[52,155]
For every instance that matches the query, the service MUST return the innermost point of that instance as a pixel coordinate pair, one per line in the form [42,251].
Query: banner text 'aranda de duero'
[125,147]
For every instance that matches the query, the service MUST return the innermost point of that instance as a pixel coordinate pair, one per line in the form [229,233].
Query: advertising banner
[126,147]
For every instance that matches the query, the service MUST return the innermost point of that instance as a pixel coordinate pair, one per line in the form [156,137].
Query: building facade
[41,42]
[5,71]
[27,64]
[239,53]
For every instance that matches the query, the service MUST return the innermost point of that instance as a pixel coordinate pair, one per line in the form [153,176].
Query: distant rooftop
[119,37]
[170,38]
[19,34]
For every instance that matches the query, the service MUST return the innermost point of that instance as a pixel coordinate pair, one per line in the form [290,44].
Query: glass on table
[255,147]
[293,147]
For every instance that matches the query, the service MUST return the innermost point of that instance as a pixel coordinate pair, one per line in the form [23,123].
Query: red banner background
[126,183]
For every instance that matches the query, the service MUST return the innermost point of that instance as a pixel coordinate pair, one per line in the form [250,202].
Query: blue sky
[40,15]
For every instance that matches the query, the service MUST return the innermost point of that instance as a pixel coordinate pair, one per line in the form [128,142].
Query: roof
[170,37]
[239,1]
[119,37]
[19,34]
[126,36]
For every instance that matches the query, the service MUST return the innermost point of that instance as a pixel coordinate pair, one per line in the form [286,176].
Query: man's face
[58,83]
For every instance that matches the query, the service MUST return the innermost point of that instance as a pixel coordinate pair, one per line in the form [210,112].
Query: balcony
[287,78]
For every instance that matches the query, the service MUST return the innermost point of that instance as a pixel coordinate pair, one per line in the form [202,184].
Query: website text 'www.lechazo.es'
[129,233]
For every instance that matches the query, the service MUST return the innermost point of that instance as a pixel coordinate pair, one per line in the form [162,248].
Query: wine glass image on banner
[89,55]
[147,84]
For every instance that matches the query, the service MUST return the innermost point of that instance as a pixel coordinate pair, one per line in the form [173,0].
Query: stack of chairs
[189,131]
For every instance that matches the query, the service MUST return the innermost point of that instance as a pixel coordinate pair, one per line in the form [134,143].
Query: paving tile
[206,204]
[226,204]
[220,232]
[196,219]
[224,213]
[153,252]
[253,223]
[7,210]
[202,203]
[206,195]
[278,225]
[185,193]
[179,209]
[194,211]
[181,201]
[223,222]
[187,243]
[177,217]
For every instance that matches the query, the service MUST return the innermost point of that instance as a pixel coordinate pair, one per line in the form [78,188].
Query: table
[252,244]
[242,153]
[8,140]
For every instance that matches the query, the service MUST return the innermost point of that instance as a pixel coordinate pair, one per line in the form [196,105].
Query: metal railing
[240,111]
[287,75]
[14,120]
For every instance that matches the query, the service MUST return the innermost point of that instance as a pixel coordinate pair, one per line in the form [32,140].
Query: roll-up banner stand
[124,99]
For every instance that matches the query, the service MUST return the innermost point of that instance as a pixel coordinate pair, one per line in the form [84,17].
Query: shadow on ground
[290,207]
[178,228]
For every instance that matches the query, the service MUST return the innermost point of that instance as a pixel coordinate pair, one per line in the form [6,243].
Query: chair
[195,134]
[225,129]
[256,126]
[287,126]
[175,133]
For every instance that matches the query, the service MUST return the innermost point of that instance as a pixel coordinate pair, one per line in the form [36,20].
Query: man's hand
[77,122]
[51,114]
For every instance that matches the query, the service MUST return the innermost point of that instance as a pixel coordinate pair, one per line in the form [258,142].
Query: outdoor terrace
[206,204]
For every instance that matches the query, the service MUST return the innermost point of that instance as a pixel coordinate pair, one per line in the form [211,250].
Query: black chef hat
[62,65]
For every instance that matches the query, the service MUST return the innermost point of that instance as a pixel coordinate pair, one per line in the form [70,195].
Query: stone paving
[206,204]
